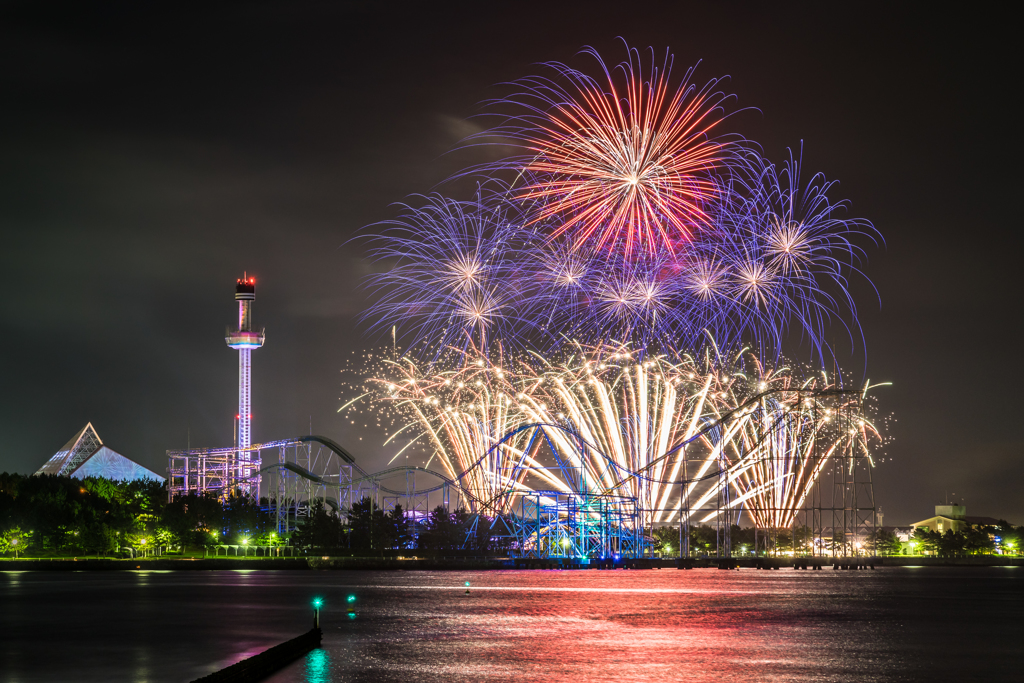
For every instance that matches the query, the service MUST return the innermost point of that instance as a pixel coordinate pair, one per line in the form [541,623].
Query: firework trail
[622,162]
[786,431]
[617,425]
[458,408]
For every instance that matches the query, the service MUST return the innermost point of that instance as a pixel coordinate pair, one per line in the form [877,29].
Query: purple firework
[454,274]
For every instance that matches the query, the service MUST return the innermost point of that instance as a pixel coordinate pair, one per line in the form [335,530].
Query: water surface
[890,624]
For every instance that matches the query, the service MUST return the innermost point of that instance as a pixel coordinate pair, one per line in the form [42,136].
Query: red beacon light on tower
[244,337]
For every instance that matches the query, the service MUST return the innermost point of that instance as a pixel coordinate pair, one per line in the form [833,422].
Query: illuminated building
[86,456]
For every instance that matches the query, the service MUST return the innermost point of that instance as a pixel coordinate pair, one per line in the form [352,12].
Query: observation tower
[244,340]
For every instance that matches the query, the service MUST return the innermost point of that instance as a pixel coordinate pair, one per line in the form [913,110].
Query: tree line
[369,528]
[973,540]
[54,515]
[48,515]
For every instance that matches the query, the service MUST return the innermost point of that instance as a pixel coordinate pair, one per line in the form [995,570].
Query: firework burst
[455,272]
[657,430]
[623,162]
[778,258]
[625,297]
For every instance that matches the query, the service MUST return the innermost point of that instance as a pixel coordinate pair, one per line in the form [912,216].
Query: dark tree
[443,530]
[979,540]
[743,539]
[927,540]
[885,543]
[322,529]
[703,539]
[243,518]
[396,534]
[194,520]
[68,515]
[666,539]
[367,526]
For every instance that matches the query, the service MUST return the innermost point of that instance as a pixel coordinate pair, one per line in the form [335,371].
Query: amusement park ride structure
[832,513]
[244,340]
[287,476]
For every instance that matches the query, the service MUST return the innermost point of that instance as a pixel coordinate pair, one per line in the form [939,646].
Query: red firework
[624,165]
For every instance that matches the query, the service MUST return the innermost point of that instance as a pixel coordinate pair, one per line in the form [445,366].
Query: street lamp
[317,602]
[14,542]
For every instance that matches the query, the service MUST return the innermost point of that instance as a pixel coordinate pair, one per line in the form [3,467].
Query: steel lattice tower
[244,340]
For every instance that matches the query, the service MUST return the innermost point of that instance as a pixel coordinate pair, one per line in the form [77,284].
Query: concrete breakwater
[258,667]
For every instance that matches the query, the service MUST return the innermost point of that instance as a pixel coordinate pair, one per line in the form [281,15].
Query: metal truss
[287,476]
[552,524]
[581,516]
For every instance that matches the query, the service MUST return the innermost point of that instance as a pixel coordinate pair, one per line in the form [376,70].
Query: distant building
[86,456]
[953,518]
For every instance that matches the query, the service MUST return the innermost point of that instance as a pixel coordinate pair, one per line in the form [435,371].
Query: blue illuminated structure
[86,456]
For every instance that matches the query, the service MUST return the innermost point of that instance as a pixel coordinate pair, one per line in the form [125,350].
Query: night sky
[148,159]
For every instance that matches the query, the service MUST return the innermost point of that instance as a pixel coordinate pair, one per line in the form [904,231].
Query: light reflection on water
[318,666]
[699,625]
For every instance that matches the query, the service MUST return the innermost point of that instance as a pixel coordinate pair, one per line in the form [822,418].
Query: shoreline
[449,563]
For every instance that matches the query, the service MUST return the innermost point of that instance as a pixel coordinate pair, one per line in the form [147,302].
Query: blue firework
[452,277]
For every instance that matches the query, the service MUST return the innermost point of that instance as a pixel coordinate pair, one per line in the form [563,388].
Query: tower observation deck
[244,340]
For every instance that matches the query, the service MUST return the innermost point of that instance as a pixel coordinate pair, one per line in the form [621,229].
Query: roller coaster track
[456,483]
[349,459]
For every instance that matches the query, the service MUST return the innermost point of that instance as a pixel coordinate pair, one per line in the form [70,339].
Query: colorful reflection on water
[317,667]
[699,625]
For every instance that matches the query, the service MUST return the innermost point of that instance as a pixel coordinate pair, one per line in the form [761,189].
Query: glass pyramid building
[86,456]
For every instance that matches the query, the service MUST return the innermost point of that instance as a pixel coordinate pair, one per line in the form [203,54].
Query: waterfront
[887,624]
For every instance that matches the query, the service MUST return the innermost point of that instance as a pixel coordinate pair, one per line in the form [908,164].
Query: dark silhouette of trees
[68,515]
[396,530]
[885,542]
[443,530]
[321,529]
[52,515]
[372,529]
[195,520]
[973,540]
[243,518]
